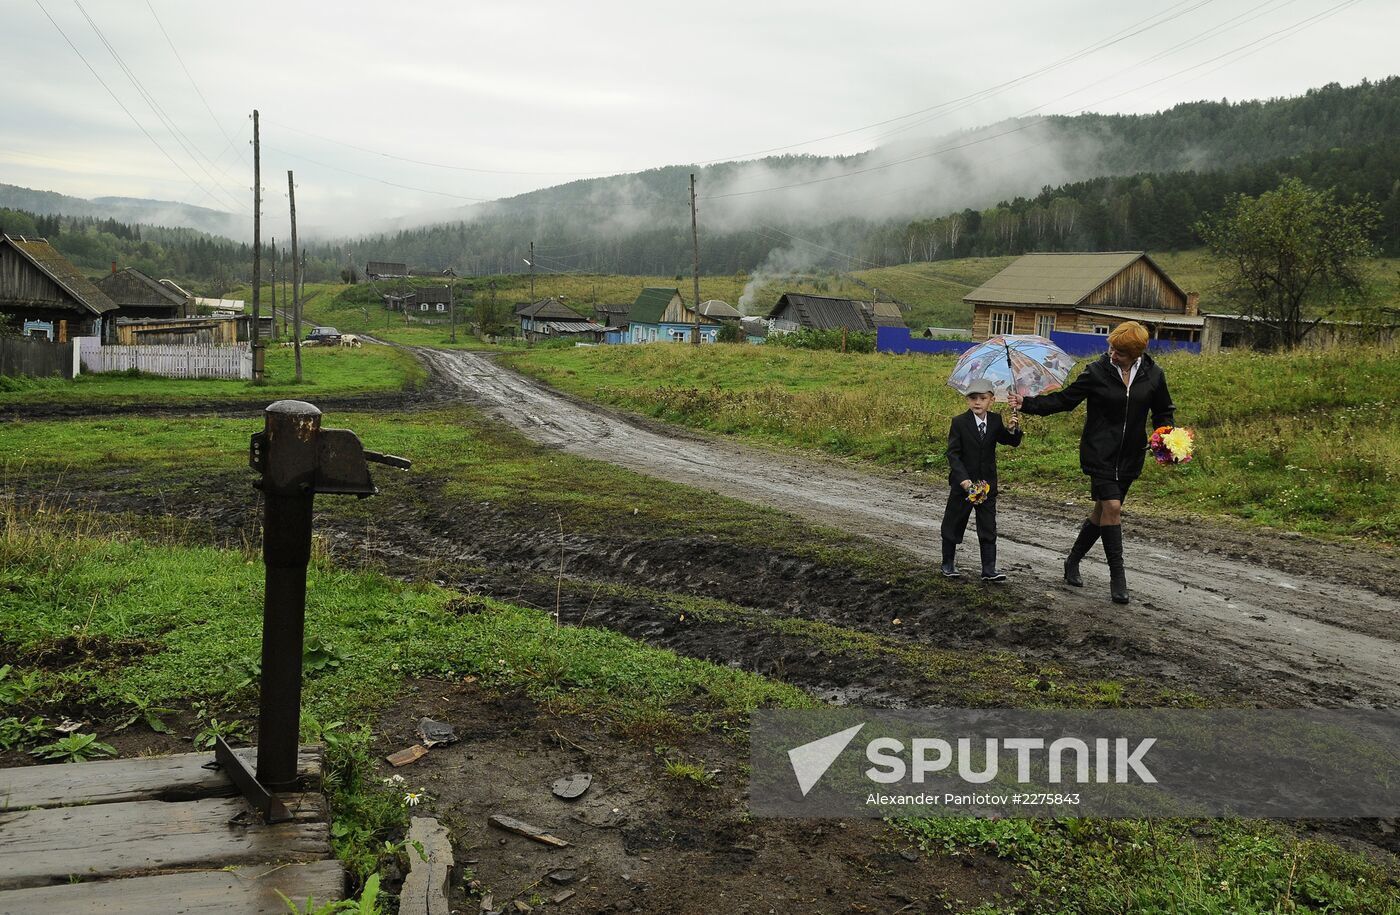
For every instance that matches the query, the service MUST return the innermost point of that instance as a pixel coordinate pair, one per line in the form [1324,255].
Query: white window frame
[992,322]
[441,306]
[1101,329]
[422,306]
[1041,319]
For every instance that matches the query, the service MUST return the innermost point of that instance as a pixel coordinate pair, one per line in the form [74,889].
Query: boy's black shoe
[990,572]
[949,567]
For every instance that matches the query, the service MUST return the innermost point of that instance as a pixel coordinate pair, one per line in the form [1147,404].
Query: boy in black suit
[972,456]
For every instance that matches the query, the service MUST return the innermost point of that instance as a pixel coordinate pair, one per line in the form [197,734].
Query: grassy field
[326,372]
[1308,442]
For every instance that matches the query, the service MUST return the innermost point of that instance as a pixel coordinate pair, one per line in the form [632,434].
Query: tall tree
[1292,257]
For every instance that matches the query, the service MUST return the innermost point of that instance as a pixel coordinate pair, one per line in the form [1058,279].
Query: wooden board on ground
[166,778]
[111,840]
[425,888]
[243,890]
[158,834]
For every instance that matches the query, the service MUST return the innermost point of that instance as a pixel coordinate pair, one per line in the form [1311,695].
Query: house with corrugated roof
[1087,293]
[551,319]
[660,313]
[799,311]
[44,295]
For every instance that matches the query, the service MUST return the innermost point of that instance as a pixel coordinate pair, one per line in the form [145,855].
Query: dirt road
[1296,620]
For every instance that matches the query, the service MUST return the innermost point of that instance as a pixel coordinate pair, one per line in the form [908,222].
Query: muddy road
[1304,621]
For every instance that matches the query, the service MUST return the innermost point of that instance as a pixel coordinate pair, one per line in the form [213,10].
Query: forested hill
[129,210]
[1166,169]
[1090,181]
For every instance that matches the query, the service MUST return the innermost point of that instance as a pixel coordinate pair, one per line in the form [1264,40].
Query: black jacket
[974,457]
[1114,441]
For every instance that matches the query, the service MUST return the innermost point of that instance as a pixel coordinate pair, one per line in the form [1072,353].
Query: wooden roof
[820,312]
[81,293]
[1058,278]
[130,286]
[434,294]
[385,268]
[550,310]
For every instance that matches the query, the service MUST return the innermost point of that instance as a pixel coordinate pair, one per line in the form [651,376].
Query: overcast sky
[535,94]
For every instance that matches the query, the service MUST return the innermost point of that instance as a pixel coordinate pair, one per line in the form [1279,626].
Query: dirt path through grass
[1293,616]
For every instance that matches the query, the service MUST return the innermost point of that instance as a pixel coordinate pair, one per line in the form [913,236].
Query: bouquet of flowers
[978,492]
[1172,444]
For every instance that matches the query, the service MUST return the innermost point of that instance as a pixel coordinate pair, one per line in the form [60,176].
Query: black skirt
[1108,490]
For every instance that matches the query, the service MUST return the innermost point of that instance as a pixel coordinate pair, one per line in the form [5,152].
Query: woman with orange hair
[1122,387]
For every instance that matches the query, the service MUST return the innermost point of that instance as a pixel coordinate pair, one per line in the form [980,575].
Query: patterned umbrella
[1027,363]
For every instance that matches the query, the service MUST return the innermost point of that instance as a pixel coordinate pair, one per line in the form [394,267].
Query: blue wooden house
[661,314]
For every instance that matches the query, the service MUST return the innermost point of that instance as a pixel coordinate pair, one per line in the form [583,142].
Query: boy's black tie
[981,428]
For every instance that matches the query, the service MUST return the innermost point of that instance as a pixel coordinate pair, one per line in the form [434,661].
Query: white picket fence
[192,361]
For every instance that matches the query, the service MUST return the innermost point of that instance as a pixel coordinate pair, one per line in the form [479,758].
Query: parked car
[327,336]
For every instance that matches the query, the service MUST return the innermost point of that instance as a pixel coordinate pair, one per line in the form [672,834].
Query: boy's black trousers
[958,510]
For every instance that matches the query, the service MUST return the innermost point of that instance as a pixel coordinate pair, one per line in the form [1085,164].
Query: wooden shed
[381,270]
[139,296]
[44,294]
[1085,293]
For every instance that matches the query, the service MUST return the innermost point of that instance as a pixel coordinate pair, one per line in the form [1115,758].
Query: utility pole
[532,271]
[296,276]
[273,284]
[259,355]
[285,300]
[695,238]
[451,304]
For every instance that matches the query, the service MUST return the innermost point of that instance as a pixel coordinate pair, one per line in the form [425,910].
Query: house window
[678,336]
[441,306]
[422,306]
[1003,322]
[1101,329]
[1045,324]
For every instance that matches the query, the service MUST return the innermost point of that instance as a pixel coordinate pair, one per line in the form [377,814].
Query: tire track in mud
[1293,633]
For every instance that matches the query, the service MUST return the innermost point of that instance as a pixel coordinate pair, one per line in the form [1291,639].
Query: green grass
[326,372]
[474,460]
[1308,441]
[1220,867]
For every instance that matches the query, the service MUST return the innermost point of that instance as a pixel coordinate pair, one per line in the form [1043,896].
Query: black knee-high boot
[1088,536]
[950,552]
[1112,535]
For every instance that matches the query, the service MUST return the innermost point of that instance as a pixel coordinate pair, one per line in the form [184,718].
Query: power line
[989,91]
[120,104]
[506,203]
[161,115]
[1298,26]
[443,165]
[1210,32]
[231,145]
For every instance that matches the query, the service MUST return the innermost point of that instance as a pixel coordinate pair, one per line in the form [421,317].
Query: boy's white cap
[979,386]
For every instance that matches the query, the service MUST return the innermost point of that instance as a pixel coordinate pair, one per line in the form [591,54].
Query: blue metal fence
[899,340]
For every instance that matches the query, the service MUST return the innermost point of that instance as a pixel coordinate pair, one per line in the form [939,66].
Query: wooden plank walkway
[160,834]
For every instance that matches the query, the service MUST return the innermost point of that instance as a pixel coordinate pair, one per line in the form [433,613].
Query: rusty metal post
[289,458]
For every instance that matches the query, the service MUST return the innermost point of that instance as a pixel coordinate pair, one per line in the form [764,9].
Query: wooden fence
[36,357]
[189,361]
